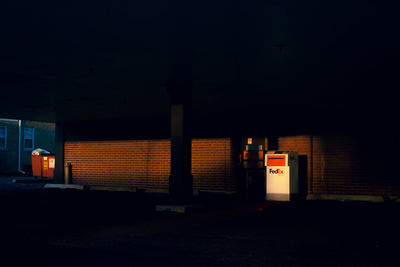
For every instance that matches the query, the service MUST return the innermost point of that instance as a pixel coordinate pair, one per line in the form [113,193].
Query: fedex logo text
[276,171]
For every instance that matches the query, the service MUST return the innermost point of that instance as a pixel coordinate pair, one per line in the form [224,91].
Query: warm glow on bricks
[146,163]
[136,163]
[212,164]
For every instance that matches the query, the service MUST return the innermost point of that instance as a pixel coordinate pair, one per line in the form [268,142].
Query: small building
[18,139]
[164,101]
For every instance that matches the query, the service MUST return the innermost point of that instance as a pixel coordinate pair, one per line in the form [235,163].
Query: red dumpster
[43,163]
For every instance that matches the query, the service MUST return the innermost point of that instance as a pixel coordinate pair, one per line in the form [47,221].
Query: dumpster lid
[39,151]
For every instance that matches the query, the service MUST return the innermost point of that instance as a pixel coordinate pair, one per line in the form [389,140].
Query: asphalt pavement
[53,227]
[22,183]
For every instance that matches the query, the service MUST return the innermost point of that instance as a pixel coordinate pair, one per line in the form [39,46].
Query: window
[3,137]
[28,139]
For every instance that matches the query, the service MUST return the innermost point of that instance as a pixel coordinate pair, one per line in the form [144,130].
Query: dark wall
[9,157]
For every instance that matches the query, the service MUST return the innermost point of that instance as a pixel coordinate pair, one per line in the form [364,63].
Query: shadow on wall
[303,175]
[353,163]
[361,163]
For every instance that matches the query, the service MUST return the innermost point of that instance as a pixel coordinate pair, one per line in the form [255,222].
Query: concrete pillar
[59,153]
[179,86]
[181,180]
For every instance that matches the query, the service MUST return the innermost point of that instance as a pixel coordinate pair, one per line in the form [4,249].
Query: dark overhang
[65,61]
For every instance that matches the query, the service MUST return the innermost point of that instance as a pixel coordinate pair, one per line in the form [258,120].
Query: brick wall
[345,164]
[136,163]
[212,164]
[337,164]
[146,163]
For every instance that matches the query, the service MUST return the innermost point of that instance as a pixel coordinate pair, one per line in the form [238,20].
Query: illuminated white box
[282,175]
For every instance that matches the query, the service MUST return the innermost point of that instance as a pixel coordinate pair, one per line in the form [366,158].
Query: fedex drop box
[281,175]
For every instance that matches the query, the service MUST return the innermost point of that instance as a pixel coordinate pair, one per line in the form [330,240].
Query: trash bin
[43,163]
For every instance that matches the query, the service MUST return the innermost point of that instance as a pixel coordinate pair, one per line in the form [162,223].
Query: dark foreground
[83,228]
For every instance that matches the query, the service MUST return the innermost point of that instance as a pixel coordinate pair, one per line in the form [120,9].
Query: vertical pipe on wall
[19,146]
[311,164]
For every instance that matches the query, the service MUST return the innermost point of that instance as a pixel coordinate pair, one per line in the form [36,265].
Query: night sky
[88,57]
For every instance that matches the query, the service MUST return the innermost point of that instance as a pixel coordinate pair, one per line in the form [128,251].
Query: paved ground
[83,228]
[22,183]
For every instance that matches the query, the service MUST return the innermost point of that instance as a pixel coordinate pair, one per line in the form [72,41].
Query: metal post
[68,173]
